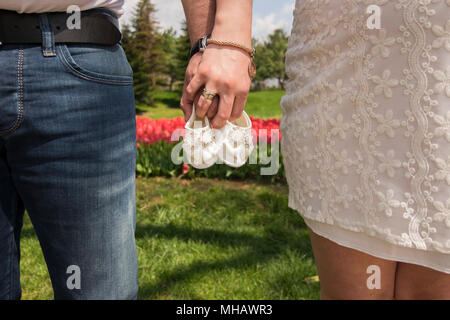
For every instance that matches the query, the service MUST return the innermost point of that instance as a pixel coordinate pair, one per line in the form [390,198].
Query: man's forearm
[200,15]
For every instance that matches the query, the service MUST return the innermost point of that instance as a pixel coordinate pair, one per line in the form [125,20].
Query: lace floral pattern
[200,146]
[366,126]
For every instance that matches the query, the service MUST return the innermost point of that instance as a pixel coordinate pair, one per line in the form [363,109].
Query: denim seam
[20,90]
[84,74]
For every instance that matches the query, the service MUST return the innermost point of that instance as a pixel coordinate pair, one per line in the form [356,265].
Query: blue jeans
[67,156]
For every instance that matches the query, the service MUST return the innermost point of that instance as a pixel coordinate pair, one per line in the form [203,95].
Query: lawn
[260,104]
[206,239]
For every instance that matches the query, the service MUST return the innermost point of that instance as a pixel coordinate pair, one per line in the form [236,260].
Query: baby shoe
[235,141]
[199,143]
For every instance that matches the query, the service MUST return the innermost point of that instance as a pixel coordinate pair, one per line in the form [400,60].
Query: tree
[142,44]
[262,62]
[277,46]
[169,44]
[183,52]
[270,58]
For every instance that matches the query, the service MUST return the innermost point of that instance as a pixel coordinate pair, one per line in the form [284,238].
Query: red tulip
[149,131]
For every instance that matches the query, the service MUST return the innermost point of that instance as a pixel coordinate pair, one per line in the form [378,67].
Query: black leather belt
[97,27]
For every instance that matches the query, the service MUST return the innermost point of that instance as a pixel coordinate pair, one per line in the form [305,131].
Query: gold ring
[208,94]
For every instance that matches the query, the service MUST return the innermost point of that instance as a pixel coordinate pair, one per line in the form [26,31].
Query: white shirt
[35,6]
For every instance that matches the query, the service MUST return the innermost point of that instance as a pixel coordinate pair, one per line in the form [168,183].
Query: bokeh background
[268,15]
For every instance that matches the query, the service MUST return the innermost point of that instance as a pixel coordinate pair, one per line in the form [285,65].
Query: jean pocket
[104,64]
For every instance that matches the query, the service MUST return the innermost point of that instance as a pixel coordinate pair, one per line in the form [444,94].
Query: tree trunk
[281,83]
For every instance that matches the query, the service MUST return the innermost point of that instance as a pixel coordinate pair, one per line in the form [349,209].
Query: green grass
[207,239]
[264,104]
[260,104]
[166,105]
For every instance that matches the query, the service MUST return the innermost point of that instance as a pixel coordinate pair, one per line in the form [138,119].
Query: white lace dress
[366,126]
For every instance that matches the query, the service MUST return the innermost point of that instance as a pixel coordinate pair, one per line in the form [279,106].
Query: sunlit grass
[206,239]
[260,104]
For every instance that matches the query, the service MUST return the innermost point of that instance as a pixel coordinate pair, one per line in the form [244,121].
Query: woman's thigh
[418,282]
[346,273]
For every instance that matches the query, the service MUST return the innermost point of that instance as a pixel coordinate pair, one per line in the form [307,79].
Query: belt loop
[48,37]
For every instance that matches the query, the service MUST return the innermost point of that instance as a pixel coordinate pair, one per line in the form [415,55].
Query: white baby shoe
[235,141]
[199,143]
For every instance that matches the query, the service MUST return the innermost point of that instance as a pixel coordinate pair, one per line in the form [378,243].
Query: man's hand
[190,73]
[221,70]
[185,104]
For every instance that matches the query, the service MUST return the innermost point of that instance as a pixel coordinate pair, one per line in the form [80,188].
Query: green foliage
[143,45]
[176,55]
[182,52]
[170,66]
[159,59]
[270,58]
[277,46]
[262,62]
[155,161]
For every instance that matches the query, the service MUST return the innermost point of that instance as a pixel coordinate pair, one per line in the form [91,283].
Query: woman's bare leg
[414,282]
[343,272]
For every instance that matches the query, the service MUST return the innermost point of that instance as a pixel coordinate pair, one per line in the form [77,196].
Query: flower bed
[156,139]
